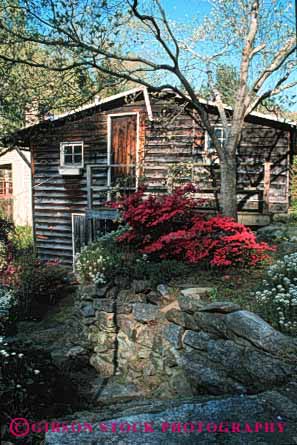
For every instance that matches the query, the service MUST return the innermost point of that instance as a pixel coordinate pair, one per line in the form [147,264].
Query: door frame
[109,128]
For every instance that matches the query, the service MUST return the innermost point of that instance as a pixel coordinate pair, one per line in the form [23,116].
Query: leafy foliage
[168,227]
[38,284]
[31,386]
[8,305]
[22,239]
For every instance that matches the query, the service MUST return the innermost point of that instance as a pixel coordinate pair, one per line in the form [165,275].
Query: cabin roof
[141,90]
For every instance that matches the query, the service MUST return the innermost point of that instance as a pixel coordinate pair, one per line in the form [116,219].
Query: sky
[184,10]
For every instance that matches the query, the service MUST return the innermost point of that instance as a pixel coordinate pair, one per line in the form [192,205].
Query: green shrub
[104,259]
[40,284]
[31,387]
[277,300]
[22,239]
[101,260]
[8,304]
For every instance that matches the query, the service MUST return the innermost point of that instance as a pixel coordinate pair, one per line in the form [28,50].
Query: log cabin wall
[173,139]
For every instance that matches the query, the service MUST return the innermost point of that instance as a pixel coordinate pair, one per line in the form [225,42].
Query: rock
[112,293]
[166,293]
[291,232]
[88,310]
[103,363]
[180,384]
[102,341]
[126,296]
[197,340]
[127,324]
[173,334]
[271,232]
[213,323]
[154,297]
[102,290]
[163,290]
[197,291]
[105,321]
[190,303]
[259,333]
[139,286]
[104,304]
[224,307]
[117,392]
[89,290]
[145,312]
[241,410]
[281,218]
[182,319]
[145,335]
[76,351]
[207,378]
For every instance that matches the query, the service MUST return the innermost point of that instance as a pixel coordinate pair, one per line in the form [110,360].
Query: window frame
[207,148]
[108,164]
[62,154]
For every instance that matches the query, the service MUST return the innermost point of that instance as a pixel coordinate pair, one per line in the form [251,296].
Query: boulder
[166,294]
[197,340]
[213,323]
[145,312]
[190,303]
[173,334]
[140,286]
[223,307]
[160,416]
[103,363]
[197,291]
[255,330]
[207,378]
[87,310]
[105,321]
[182,319]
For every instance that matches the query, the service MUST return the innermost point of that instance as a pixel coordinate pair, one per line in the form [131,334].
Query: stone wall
[170,343]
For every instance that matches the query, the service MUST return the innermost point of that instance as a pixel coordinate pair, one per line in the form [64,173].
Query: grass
[235,285]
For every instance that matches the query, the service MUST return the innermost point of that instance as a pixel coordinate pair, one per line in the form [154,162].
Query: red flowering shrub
[168,227]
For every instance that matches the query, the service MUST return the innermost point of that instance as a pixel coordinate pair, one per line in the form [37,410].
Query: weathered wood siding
[55,196]
[165,143]
[180,140]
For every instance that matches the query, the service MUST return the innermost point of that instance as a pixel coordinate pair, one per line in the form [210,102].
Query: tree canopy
[137,41]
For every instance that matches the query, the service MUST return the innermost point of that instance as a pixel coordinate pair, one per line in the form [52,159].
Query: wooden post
[266,205]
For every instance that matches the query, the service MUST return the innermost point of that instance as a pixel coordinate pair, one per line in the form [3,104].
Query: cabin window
[221,135]
[72,154]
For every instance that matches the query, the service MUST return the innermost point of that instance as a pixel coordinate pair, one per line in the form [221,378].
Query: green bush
[8,304]
[40,284]
[22,239]
[104,259]
[277,299]
[31,387]
[101,260]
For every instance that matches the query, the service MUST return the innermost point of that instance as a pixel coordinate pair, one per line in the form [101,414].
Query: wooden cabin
[83,158]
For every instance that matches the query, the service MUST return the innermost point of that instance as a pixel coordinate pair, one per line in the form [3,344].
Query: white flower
[36,371]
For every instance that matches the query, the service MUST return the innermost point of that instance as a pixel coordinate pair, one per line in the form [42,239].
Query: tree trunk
[228,196]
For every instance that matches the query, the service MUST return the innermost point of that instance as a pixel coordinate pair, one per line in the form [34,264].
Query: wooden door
[123,150]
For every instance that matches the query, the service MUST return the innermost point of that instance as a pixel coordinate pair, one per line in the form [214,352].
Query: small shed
[81,159]
[15,187]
